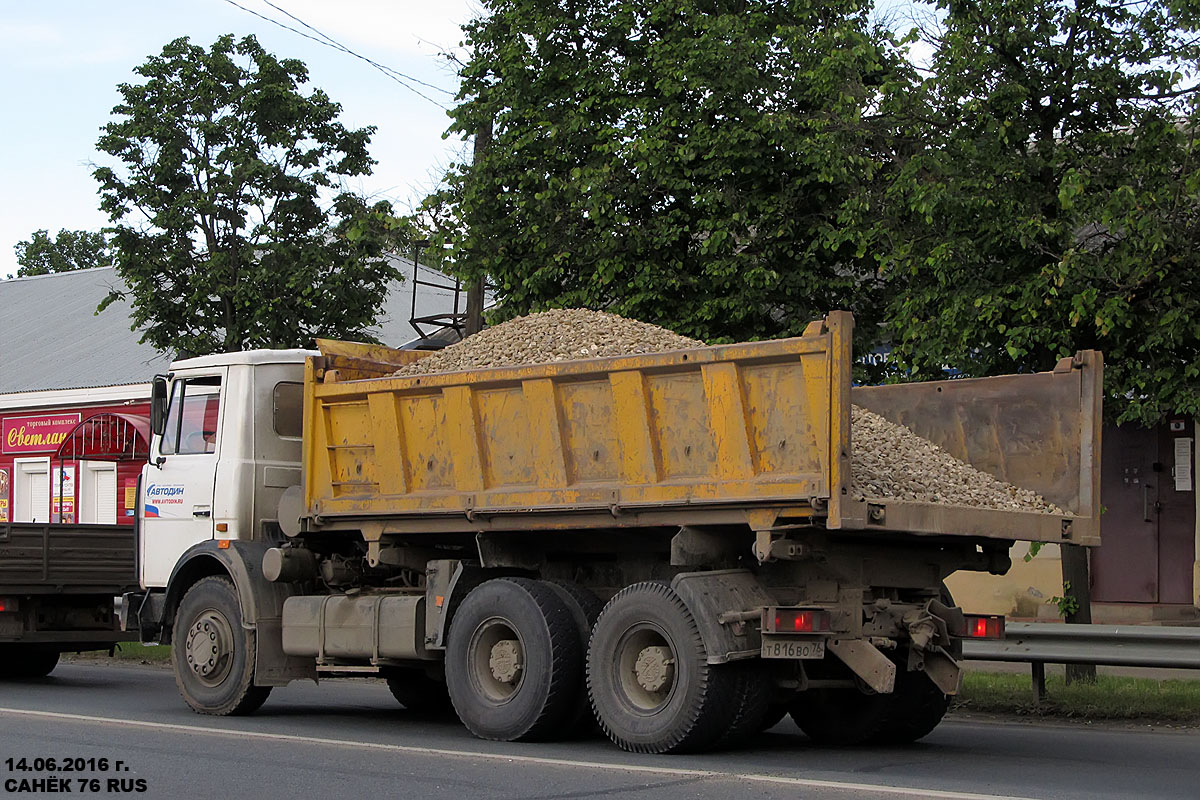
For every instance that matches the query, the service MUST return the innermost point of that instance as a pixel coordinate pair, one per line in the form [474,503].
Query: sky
[61,61]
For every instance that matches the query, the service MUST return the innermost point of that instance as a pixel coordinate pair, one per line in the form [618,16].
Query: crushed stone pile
[889,461]
[556,335]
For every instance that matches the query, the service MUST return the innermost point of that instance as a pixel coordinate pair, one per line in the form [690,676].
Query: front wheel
[213,654]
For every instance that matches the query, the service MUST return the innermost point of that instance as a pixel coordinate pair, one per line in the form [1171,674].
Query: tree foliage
[733,168]
[224,231]
[66,252]
[1048,198]
[684,162]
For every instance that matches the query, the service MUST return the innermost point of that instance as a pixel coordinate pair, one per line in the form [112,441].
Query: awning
[107,437]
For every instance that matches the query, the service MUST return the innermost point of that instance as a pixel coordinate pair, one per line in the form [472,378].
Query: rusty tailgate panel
[1039,431]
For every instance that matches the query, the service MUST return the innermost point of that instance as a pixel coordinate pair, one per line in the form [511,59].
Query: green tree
[691,163]
[1048,198]
[66,252]
[223,233]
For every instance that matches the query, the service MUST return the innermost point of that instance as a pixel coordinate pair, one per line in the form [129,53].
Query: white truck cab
[227,443]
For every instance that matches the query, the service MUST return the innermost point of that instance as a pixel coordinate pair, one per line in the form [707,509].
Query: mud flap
[719,601]
[867,662]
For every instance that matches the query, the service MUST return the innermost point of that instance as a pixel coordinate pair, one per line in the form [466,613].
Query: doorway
[98,492]
[1147,530]
[31,490]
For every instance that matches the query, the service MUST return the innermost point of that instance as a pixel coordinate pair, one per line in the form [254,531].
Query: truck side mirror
[158,405]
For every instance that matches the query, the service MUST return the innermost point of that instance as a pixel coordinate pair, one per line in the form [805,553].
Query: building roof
[51,338]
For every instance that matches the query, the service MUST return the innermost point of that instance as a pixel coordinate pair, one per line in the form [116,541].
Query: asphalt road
[350,739]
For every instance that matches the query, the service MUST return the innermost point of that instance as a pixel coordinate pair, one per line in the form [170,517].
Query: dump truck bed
[755,433]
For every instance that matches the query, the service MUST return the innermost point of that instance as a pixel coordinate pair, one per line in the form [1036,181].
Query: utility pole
[1076,576]
[474,321]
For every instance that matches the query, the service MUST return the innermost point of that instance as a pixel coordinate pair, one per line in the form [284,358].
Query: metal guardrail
[1110,645]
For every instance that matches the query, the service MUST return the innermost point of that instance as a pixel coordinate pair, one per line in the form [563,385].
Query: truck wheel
[841,716]
[513,660]
[24,661]
[649,679]
[752,699]
[419,693]
[918,704]
[918,708]
[585,608]
[213,655]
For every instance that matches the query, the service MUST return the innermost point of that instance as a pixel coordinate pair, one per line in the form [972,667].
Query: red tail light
[984,626]
[8,604]
[801,620]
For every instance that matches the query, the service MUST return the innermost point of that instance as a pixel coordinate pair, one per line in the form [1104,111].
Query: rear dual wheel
[650,682]
[585,608]
[514,660]
[515,663]
[419,692]
[918,708]
[849,717]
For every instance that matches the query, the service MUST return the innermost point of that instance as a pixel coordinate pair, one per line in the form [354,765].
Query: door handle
[202,512]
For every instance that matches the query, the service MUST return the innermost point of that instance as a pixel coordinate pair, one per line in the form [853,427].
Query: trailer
[668,543]
[57,586]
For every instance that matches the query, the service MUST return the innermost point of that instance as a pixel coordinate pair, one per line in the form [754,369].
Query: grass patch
[135,651]
[1110,698]
[129,652]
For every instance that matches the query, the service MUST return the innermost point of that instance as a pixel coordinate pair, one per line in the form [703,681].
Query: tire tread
[715,699]
[246,697]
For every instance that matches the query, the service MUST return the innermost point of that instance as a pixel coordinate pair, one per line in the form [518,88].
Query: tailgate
[67,559]
[1038,431]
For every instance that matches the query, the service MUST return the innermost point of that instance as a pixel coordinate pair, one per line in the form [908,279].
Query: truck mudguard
[261,602]
[716,600]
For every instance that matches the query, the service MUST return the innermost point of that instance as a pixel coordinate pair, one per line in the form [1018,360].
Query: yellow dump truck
[671,543]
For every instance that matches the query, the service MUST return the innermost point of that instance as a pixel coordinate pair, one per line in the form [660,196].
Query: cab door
[177,484]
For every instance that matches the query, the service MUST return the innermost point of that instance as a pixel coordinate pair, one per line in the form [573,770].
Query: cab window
[288,409]
[192,417]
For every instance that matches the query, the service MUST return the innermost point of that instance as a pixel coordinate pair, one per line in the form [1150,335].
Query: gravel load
[557,335]
[889,461]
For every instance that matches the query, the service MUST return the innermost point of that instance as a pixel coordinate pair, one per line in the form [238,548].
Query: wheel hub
[209,648]
[505,660]
[654,668]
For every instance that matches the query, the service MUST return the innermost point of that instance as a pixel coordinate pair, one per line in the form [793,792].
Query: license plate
[793,648]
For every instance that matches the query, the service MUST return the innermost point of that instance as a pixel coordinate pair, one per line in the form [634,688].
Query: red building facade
[73,455]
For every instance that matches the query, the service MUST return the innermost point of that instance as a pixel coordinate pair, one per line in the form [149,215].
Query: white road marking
[898,791]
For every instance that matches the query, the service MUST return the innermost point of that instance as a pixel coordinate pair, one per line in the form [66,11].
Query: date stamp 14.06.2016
[70,775]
